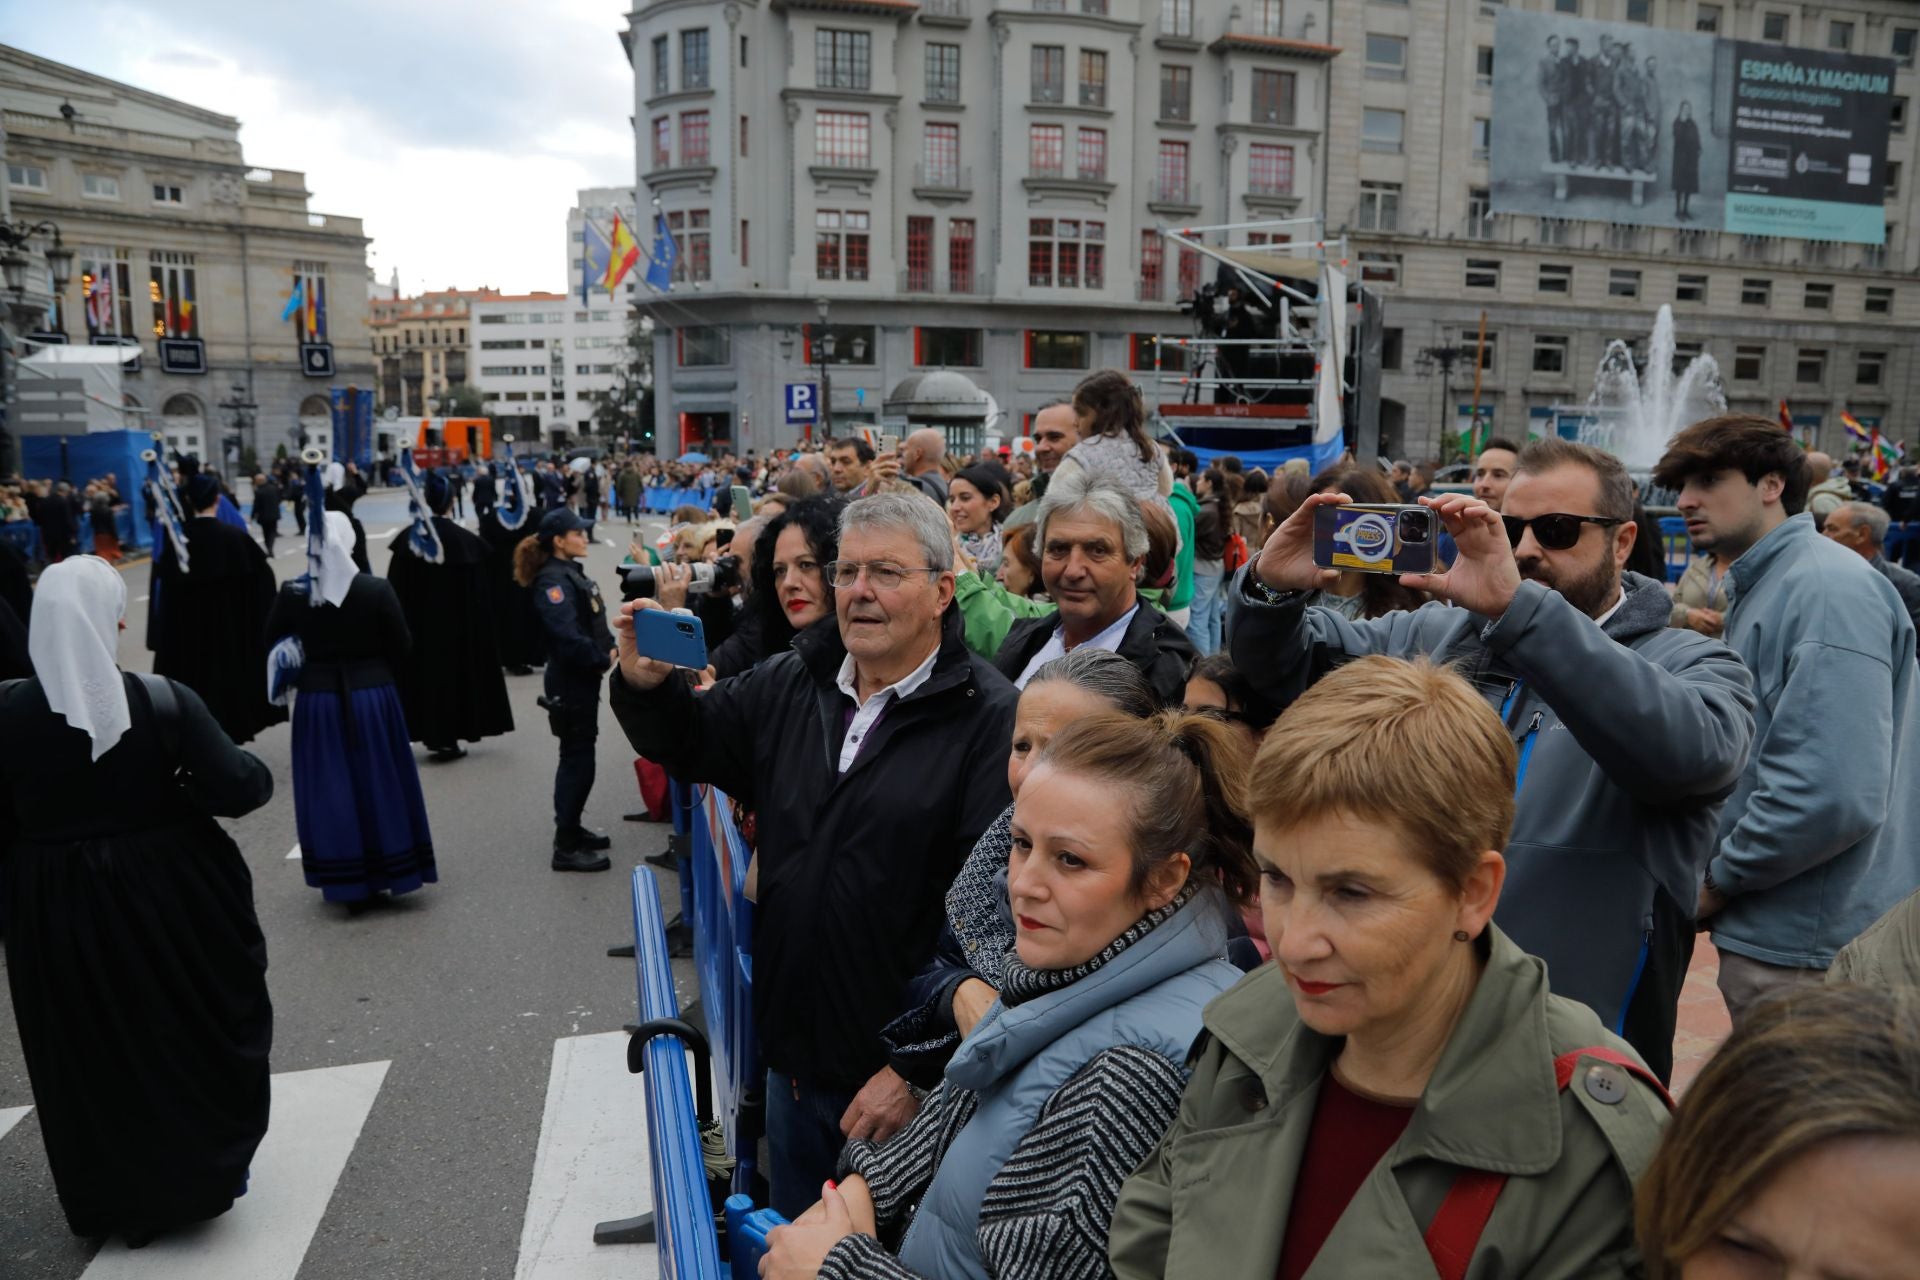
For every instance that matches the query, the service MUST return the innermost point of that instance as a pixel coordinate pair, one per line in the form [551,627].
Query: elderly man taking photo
[874,758]
[1862,527]
[1631,733]
[1092,539]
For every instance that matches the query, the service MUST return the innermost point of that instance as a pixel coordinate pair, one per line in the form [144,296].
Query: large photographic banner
[1621,122]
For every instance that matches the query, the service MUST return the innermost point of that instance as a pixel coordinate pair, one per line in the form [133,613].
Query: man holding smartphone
[1631,733]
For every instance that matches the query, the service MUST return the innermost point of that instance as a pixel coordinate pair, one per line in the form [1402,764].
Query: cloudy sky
[458,131]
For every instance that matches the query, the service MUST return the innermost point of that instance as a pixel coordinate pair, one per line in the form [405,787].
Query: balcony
[1049,93]
[1058,175]
[942,181]
[945,13]
[1173,195]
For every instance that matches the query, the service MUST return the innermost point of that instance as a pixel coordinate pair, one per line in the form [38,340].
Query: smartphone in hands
[678,638]
[1368,538]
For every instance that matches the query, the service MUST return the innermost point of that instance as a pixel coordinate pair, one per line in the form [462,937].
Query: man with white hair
[874,757]
[1092,540]
[1862,527]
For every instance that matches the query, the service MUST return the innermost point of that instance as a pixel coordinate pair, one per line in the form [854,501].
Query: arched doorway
[183,420]
[316,423]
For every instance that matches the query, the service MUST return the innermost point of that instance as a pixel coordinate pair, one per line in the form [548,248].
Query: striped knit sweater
[1046,1213]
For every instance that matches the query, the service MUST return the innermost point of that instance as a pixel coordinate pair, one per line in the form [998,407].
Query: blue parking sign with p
[803,402]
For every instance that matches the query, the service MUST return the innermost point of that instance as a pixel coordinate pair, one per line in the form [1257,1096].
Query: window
[663,142]
[1471,340]
[1483,66]
[919,254]
[1566,6]
[1093,78]
[1904,40]
[1273,97]
[1550,353]
[1690,288]
[947,348]
[1047,150]
[662,76]
[843,59]
[1756,292]
[703,345]
[843,139]
[175,310]
[1897,115]
[99,186]
[1176,18]
[693,59]
[1266,18]
[1773,26]
[840,244]
[1639,10]
[30,176]
[744,133]
[746,257]
[1819,297]
[1879,300]
[1380,206]
[1066,253]
[503,370]
[941,147]
[1382,130]
[1050,349]
[692,233]
[1810,366]
[1482,138]
[694,138]
[1189,281]
[1707,18]
[1483,273]
[1393,346]
[1555,277]
[1090,148]
[1153,261]
[1270,169]
[1380,268]
[1176,93]
[1555,231]
[106,286]
[1479,214]
[1870,368]
[1623,283]
[1170,172]
[743,53]
[1386,57]
[1049,73]
[943,73]
[167,193]
[960,256]
[1146,351]
[1747,363]
[503,344]
[1840,35]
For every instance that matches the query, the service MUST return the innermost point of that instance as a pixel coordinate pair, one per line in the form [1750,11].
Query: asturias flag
[665,253]
[595,260]
[298,300]
[625,252]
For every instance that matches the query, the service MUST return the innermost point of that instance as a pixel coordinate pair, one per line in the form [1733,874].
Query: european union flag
[660,261]
[598,254]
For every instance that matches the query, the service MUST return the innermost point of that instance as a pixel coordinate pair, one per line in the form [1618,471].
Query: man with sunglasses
[874,757]
[1630,733]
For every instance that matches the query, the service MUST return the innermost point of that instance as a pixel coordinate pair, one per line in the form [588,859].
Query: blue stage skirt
[356,796]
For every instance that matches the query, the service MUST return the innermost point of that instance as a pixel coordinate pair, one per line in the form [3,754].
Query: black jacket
[484,491]
[574,615]
[1152,643]
[854,867]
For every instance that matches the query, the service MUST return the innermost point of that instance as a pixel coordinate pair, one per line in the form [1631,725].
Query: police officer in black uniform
[579,653]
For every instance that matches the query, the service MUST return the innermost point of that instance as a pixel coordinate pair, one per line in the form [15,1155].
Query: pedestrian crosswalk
[590,1165]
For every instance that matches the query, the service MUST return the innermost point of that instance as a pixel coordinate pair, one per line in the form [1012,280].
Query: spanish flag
[626,252]
[1786,419]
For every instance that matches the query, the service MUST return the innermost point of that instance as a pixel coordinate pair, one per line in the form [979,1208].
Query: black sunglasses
[1555,532]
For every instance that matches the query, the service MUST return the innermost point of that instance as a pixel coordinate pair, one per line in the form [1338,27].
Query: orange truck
[452,442]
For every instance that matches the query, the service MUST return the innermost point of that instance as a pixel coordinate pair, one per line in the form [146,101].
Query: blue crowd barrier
[722,921]
[662,501]
[24,535]
[1675,545]
[747,1229]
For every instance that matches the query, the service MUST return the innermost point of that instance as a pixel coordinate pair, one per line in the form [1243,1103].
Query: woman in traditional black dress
[135,960]
[356,791]
[1686,163]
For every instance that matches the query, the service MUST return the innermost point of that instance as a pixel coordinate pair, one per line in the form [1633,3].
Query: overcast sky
[458,131]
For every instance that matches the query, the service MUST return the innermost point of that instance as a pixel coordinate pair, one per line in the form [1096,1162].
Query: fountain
[1633,419]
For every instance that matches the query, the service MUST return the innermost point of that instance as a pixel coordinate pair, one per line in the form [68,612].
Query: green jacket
[1186,513]
[1212,1200]
[1887,954]
[988,610]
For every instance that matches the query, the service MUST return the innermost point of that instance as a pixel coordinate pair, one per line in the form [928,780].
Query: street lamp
[241,408]
[823,348]
[15,239]
[1442,359]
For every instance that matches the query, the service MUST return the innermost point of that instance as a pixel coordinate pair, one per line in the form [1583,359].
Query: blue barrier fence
[722,921]
[1675,546]
[661,501]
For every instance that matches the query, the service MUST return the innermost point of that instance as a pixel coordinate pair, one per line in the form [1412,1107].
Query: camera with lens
[724,574]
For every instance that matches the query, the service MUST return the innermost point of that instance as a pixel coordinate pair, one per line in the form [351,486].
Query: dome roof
[938,394]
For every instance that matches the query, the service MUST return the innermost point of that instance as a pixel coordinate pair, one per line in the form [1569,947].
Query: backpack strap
[166,711]
[1455,1231]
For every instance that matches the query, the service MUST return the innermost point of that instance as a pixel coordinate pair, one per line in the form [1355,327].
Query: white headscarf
[336,562]
[74,641]
[335,476]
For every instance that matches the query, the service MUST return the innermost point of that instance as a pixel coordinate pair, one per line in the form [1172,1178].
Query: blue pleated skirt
[356,795]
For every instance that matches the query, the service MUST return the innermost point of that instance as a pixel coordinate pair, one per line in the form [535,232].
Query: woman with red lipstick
[1401,1084]
[1123,836]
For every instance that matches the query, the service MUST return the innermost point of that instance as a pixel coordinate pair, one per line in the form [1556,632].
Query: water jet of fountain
[1633,418]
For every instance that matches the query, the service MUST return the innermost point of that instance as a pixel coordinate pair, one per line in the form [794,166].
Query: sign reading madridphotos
[1622,122]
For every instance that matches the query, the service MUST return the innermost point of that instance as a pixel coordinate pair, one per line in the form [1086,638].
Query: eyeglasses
[1555,532]
[881,576]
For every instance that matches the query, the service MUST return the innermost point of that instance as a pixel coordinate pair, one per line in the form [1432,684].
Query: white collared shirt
[866,713]
[1056,645]
[1601,621]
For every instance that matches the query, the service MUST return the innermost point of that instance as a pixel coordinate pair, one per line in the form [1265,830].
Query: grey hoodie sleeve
[1664,734]
[1283,648]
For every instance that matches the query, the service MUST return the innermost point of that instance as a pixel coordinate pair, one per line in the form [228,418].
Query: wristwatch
[1265,594]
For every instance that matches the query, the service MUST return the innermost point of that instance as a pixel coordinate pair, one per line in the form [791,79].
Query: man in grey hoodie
[1631,733]
[1822,835]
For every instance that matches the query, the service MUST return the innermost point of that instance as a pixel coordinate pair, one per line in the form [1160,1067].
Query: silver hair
[1104,496]
[1105,675]
[1870,517]
[914,512]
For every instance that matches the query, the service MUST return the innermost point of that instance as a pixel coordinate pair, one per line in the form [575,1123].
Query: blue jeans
[1209,607]
[803,1140]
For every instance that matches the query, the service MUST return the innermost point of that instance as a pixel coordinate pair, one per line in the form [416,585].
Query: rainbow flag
[1855,432]
[624,253]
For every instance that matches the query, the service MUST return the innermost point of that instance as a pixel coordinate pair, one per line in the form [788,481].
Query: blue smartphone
[670,637]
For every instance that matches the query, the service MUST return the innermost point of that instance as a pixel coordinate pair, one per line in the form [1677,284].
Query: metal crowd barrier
[661,501]
[722,920]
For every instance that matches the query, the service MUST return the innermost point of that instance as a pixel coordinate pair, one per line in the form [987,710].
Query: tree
[462,401]
[626,408]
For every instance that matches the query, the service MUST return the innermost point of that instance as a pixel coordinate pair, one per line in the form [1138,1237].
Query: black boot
[586,839]
[569,855]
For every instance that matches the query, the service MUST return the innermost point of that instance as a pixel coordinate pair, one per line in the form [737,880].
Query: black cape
[450,685]
[208,627]
[16,583]
[518,636]
[15,664]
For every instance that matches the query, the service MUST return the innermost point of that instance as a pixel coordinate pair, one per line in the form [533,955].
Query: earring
[1460,935]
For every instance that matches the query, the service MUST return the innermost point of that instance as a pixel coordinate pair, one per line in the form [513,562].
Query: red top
[1349,1135]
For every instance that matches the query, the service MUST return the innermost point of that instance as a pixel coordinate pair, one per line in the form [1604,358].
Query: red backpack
[1237,553]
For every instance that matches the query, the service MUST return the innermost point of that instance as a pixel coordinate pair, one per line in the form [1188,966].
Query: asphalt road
[463,988]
